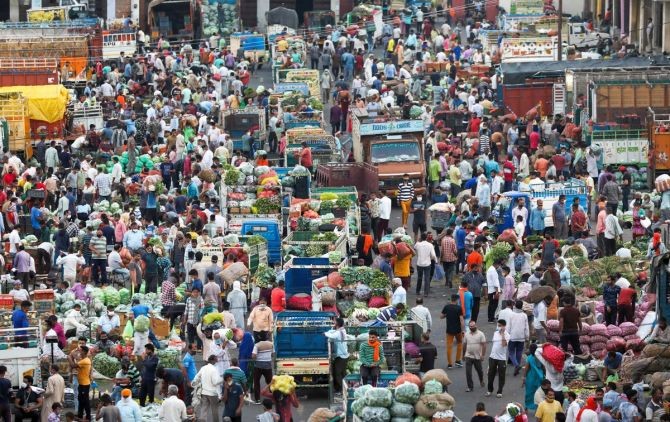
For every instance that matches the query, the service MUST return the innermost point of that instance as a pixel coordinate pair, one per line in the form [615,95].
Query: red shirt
[306,157]
[578,221]
[626,296]
[508,171]
[559,162]
[534,140]
[9,178]
[278,300]
[474,124]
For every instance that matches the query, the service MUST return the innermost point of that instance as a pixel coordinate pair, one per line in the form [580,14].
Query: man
[278,298]
[465,301]
[55,391]
[448,256]
[22,265]
[578,221]
[27,402]
[626,305]
[384,214]
[84,374]
[421,313]
[570,326]
[454,316]
[425,256]
[233,401]
[612,193]
[191,317]
[475,280]
[419,209]
[548,409]
[628,410]
[612,232]
[172,376]
[149,366]
[399,292]
[5,395]
[338,338]
[498,358]
[261,356]
[493,289]
[405,196]
[20,320]
[655,405]
[130,411]
[428,353]
[115,263]
[108,321]
[70,262]
[559,218]
[371,356]
[305,157]
[540,319]
[98,248]
[260,320]
[483,195]
[210,381]
[474,343]
[173,408]
[519,333]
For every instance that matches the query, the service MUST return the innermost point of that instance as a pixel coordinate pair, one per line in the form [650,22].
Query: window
[395,152]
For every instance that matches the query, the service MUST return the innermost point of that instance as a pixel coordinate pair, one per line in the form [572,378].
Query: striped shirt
[104,184]
[405,191]
[168,296]
[98,247]
[484,143]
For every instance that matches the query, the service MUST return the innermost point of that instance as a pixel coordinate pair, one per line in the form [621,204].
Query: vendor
[74,322]
[612,364]
[108,322]
[661,332]
[390,313]
[19,293]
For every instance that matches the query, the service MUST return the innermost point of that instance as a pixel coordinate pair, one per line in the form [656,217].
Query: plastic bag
[439,274]
[128,331]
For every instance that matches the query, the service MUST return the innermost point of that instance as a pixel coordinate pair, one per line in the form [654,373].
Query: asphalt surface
[465,402]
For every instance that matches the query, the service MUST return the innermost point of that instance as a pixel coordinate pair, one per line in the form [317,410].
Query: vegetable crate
[298,278]
[6,302]
[44,306]
[350,191]
[304,239]
[353,381]
[439,219]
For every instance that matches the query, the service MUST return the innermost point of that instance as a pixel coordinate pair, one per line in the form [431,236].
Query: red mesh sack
[554,356]
[377,302]
[387,247]
[403,250]
[299,302]
[408,377]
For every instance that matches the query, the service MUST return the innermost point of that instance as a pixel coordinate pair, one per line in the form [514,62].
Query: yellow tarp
[45,102]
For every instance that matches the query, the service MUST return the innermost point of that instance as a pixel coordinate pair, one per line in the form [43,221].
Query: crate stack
[43,301]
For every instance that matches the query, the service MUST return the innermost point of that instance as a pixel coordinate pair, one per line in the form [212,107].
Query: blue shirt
[20,320]
[189,365]
[139,310]
[133,239]
[197,283]
[338,339]
[461,234]
[537,219]
[35,215]
[468,298]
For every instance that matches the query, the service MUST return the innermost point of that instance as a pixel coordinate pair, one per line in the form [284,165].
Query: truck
[363,176]
[174,20]
[301,348]
[394,146]
[270,229]
[253,44]
[238,122]
[20,354]
[659,145]
[573,33]
[548,193]
[324,149]
[16,123]
[258,253]
[65,11]
[20,72]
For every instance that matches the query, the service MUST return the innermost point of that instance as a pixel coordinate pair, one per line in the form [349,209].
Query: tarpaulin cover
[45,102]
[282,16]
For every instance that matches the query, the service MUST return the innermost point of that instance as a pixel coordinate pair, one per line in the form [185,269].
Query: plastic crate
[47,294]
[6,302]
[43,306]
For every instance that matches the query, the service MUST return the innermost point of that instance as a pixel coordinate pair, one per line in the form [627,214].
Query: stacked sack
[599,337]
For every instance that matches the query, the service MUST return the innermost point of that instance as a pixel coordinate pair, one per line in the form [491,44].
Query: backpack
[519,260]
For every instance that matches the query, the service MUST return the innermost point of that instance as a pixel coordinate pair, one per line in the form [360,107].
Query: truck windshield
[395,152]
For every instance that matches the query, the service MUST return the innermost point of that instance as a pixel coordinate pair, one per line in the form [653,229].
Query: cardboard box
[160,327]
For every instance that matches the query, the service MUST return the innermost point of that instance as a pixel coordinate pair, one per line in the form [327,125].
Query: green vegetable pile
[325,237]
[106,365]
[168,358]
[124,296]
[142,324]
[499,251]
[314,250]
[231,177]
[267,206]
[112,296]
[343,201]
[255,239]
[264,276]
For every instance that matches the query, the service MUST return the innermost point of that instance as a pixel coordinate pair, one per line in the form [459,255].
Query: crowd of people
[96,220]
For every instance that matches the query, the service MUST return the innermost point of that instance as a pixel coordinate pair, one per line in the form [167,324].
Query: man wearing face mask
[232,399]
[27,402]
[260,320]
[220,350]
[474,345]
[108,321]
[405,195]
[211,382]
[98,247]
[149,367]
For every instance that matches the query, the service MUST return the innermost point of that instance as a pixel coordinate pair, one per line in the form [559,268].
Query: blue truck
[548,193]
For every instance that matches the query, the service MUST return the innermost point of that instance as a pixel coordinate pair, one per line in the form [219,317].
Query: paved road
[465,402]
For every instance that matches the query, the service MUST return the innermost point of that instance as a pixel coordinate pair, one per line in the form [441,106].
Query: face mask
[23,385]
[419,198]
[230,382]
[110,314]
[500,328]
[218,341]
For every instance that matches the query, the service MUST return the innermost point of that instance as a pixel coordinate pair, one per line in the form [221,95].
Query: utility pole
[560,30]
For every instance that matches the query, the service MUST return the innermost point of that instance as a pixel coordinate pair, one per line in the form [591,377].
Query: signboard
[283,87]
[401,126]
[625,152]
[528,49]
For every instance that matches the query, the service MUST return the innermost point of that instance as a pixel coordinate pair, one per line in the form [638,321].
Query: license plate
[307,379]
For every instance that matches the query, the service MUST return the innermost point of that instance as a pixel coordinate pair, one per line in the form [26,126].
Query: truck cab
[548,193]
[238,122]
[394,147]
[270,230]
[580,37]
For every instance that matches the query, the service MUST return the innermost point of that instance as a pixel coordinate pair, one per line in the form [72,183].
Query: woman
[51,349]
[282,403]
[246,349]
[364,245]
[88,192]
[238,303]
[532,377]
[366,216]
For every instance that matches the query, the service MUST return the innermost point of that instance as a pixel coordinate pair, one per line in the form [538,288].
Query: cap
[126,392]
[622,168]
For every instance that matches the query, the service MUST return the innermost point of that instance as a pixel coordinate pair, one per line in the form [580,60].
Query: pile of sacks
[598,339]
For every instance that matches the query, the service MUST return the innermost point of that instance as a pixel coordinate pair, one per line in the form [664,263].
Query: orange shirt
[541,166]
[306,157]
[475,258]
[401,266]
[278,299]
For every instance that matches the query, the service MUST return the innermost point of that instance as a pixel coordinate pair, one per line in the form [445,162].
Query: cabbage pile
[142,324]
[112,296]
[106,365]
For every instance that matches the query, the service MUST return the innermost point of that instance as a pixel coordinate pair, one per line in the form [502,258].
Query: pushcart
[439,220]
